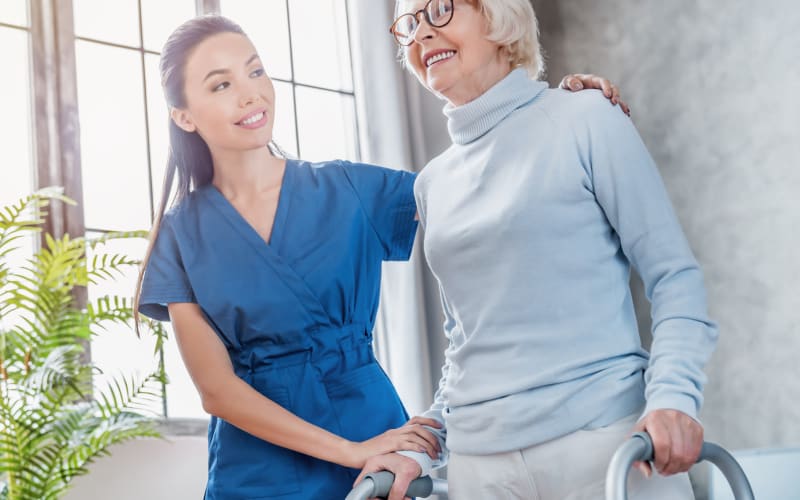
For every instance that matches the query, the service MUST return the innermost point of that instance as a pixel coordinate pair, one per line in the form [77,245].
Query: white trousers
[572,467]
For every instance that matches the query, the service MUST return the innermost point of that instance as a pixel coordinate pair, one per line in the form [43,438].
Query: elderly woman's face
[456,61]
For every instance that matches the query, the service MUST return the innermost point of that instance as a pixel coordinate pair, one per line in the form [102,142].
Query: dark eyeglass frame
[424,11]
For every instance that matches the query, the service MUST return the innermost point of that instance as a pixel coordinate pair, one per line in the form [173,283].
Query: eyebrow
[224,71]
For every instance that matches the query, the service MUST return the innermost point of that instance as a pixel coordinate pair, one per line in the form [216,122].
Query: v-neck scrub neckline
[281,210]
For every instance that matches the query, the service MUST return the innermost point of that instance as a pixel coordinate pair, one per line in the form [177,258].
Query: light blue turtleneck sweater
[532,220]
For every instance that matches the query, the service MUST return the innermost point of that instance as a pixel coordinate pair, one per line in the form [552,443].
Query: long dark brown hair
[189,155]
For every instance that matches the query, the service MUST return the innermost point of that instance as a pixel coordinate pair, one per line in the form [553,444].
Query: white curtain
[391,134]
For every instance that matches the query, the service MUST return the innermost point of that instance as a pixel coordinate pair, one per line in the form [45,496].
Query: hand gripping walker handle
[640,447]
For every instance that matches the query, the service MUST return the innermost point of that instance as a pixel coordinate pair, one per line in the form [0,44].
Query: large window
[15,125]
[123,119]
[16,166]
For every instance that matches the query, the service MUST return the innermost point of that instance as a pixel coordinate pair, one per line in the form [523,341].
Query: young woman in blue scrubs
[269,269]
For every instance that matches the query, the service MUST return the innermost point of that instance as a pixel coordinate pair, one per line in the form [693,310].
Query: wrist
[422,460]
[347,454]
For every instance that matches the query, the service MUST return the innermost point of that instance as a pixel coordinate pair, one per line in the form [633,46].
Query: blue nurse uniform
[295,313]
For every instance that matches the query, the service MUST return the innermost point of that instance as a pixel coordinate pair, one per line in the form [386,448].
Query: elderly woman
[533,218]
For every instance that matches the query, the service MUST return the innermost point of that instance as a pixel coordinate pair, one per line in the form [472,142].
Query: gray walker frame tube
[640,447]
[378,484]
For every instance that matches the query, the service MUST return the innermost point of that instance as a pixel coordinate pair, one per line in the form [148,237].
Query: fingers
[430,422]
[571,82]
[370,466]
[428,436]
[580,81]
[677,440]
[423,433]
[687,441]
[605,85]
[360,477]
[643,467]
[415,442]
[609,89]
[611,92]
[625,107]
[662,446]
[402,480]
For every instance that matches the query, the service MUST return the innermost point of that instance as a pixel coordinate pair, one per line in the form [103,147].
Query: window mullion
[55,119]
[55,111]
[207,6]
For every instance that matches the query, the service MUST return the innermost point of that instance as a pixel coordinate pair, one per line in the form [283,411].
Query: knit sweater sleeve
[628,187]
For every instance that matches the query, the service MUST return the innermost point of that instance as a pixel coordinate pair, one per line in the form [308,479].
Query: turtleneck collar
[470,121]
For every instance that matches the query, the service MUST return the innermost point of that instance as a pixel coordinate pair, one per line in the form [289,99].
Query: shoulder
[187,214]
[358,167]
[324,172]
[586,108]
[360,174]
[358,178]
[185,207]
[589,118]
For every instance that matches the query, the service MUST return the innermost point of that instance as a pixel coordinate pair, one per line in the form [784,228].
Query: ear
[183,119]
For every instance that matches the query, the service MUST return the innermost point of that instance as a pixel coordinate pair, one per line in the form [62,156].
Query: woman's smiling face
[457,61]
[230,100]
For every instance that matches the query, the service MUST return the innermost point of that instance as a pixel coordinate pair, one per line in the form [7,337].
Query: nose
[424,29]
[248,96]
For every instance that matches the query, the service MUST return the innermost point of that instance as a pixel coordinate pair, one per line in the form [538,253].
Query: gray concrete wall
[715,91]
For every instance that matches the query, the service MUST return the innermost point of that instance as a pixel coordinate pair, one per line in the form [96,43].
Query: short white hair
[512,25]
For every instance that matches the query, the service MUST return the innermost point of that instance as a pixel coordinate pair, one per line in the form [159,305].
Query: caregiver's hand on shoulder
[677,441]
[410,437]
[579,81]
[405,470]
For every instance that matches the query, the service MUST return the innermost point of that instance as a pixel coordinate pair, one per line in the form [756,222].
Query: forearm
[244,407]
[684,335]
[630,191]
[675,378]
[227,396]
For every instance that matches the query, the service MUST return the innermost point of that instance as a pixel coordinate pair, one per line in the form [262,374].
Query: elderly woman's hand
[578,81]
[677,441]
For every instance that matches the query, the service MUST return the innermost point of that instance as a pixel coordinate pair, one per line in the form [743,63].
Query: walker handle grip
[640,447]
[378,484]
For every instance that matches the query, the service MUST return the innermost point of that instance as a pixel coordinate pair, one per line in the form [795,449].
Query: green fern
[53,422]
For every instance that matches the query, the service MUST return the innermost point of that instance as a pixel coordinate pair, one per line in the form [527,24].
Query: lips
[252,118]
[437,56]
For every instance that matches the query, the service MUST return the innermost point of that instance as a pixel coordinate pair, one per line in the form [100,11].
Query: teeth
[439,57]
[253,119]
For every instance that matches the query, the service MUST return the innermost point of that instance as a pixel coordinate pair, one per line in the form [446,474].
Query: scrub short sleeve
[387,197]
[165,280]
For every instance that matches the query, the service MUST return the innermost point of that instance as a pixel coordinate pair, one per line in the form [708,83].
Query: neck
[470,121]
[482,80]
[246,173]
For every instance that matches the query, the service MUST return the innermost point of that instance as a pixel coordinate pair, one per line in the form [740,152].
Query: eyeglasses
[437,13]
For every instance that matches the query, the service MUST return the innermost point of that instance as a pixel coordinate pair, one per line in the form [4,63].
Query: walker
[638,447]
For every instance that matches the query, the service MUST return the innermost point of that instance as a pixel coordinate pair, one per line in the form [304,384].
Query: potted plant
[53,421]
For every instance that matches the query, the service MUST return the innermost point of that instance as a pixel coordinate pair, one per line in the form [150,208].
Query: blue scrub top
[295,314]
